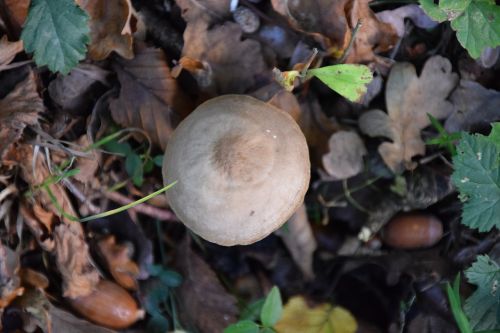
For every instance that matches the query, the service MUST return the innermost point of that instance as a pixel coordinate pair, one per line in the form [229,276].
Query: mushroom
[242,168]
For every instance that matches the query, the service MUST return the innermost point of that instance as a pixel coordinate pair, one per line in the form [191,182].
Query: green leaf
[477,177]
[478,27]
[456,306]
[148,165]
[252,311]
[158,160]
[122,148]
[431,9]
[483,305]
[495,134]
[134,168]
[57,32]
[157,324]
[244,326]
[272,309]
[346,79]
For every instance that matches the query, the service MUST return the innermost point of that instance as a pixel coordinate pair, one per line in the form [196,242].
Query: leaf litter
[128,72]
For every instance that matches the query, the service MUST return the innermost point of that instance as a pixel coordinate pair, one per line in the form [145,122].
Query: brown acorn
[108,305]
[412,231]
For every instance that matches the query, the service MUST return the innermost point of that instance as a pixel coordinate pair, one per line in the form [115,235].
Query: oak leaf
[409,99]
[345,158]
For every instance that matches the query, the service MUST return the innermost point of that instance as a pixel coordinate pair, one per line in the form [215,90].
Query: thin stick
[351,42]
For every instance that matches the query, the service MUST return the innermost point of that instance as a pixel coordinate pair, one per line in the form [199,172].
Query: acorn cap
[242,168]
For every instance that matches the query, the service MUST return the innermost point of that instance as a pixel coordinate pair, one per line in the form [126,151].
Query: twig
[351,42]
[155,212]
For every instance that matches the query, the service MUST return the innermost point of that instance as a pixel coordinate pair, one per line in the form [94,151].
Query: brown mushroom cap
[242,168]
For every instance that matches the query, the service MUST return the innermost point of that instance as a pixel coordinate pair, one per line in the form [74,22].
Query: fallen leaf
[298,317]
[76,92]
[207,10]
[286,101]
[109,19]
[118,260]
[396,18]
[8,50]
[10,283]
[150,97]
[88,165]
[299,240]
[204,301]
[40,223]
[235,62]
[409,98]
[20,108]
[473,107]
[345,158]
[73,261]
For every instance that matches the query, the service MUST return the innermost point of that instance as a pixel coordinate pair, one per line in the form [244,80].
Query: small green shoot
[269,310]
[456,306]
[444,139]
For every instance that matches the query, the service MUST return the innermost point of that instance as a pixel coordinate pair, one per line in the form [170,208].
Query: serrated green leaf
[244,326]
[482,306]
[57,32]
[272,309]
[346,79]
[478,27]
[433,10]
[477,177]
[495,134]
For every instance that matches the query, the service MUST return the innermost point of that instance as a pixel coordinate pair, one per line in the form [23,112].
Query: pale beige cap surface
[242,168]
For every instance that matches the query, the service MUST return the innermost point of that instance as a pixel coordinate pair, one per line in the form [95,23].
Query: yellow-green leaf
[298,317]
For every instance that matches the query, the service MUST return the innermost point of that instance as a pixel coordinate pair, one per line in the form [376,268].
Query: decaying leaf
[76,92]
[345,158]
[109,28]
[298,317]
[9,280]
[203,299]
[73,261]
[409,98]
[299,240]
[40,222]
[20,108]
[8,50]
[396,18]
[473,107]
[88,165]
[149,97]
[235,62]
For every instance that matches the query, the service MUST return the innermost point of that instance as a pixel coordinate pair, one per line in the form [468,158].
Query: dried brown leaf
[9,279]
[109,28]
[87,165]
[299,240]
[345,158]
[409,98]
[20,108]
[205,302]
[396,18]
[73,261]
[235,63]
[17,11]
[150,97]
[8,50]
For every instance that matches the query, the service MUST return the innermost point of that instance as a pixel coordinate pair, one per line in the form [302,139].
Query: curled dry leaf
[20,108]
[396,18]
[109,27]
[204,300]
[235,62]
[9,279]
[40,223]
[345,158]
[8,50]
[299,240]
[409,98]
[150,97]
[73,261]
[474,106]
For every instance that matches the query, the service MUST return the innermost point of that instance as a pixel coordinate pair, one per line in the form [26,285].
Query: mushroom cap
[242,168]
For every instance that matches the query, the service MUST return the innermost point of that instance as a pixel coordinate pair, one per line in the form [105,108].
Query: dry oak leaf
[109,27]
[203,299]
[345,158]
[20,108]
[235,63]
[8,50]
[408,99]
[150,97]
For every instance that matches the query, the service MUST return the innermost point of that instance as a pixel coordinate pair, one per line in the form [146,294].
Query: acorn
[412,231]
[108,305]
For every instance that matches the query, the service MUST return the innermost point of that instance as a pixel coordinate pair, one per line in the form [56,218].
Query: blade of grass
[456,306]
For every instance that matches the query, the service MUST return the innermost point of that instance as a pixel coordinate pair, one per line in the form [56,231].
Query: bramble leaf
[477,177]
[57,32]
[482,306]
[346,79]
